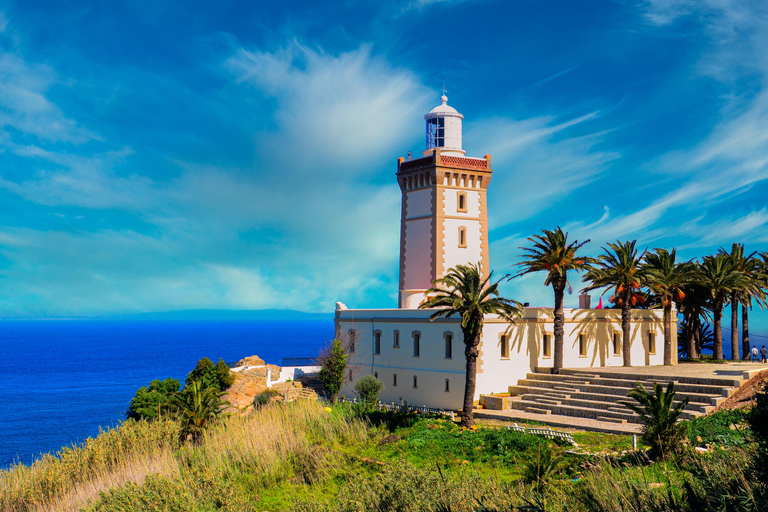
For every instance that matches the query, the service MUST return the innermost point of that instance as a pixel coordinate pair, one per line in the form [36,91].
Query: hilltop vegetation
[307,457]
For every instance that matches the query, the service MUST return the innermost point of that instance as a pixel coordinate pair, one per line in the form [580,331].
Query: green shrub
[211,375]
[758,421]
[368,389]
[723,428]
[332,372]
[264,398]
[659,415]
[148,402]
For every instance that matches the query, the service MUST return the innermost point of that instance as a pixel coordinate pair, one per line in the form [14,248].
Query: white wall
[495,374]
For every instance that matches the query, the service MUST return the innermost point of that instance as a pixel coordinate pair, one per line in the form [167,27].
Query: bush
[660,431]
[723,428]
[758,421]
[148,402]
[368,389]
[211,375]
[264,398]
[332,372]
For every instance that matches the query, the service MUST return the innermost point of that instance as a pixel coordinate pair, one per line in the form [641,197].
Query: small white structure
[444,223]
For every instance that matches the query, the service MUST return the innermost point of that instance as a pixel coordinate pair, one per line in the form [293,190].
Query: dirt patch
[745,395]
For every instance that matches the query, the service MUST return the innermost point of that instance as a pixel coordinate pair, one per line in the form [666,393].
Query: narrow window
[394,380]
[616,344]
[415,382]
[447,385]
[377,342]
[462,236]
[352,340]
[416,344]
[546,346]
[582,345]
[504,346]
[397,339]
[652,342]
[375,375]
[350,375]
[448,345]
[462,202]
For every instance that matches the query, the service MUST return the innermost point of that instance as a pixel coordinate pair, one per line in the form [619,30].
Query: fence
[301,361]
[544,432]
[404,407]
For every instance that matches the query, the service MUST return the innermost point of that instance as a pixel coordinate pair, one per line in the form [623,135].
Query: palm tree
[463,291]
[695,306]
[551,253]
[706,340]
[196,407]
[620,268]
[659,415]
[666,278]
[752,289]
[720,278]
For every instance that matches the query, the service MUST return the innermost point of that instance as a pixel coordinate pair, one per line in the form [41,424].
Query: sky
[164,156]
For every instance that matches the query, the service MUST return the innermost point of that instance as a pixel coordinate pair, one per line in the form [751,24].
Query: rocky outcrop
[250,361]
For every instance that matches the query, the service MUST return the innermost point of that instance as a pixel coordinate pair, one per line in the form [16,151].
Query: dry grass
[268,444]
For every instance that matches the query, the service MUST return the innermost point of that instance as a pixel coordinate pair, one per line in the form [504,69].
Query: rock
[391,438]
[250,361]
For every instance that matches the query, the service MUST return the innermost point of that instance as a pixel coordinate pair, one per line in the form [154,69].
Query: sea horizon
[70,377]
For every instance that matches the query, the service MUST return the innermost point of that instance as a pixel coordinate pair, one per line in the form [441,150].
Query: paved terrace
[729,375]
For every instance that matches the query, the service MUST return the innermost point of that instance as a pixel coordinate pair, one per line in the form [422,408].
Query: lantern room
[444,129]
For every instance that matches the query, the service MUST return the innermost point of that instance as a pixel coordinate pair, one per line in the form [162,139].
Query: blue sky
[241,155]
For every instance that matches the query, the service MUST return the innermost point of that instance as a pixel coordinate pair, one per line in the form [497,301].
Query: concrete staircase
[595,395]
[291,391]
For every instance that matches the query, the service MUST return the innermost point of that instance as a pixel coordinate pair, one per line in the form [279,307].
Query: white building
[444,222]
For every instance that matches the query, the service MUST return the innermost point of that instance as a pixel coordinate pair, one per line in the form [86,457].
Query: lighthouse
[444,212]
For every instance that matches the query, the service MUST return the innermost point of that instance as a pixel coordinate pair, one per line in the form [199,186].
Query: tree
[368,389]
[706,340]
[551,253]
[752,289]
[620,268]
[148,402]
[217,376]
[196,407]
[332,372]
[695,307]
[665,277]
[464,292]
[659,415]
[720,278]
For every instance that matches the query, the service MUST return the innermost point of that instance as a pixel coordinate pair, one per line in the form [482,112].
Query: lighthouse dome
[444,129]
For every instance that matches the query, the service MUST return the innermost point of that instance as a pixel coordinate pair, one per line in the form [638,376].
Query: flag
[600,304]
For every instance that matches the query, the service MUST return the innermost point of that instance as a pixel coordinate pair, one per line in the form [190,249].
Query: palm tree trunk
[471,342]
[689,332]
[745,331]
[668,334]
[626,317]
[697,336]
[718,315]
[734,327]
[559,327]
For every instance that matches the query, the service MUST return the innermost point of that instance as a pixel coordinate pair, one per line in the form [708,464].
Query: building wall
[418,241]
[495,373]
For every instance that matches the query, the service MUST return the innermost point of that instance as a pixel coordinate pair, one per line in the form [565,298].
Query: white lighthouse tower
[444,216]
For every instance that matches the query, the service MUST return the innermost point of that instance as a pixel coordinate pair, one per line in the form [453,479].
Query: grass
[303,456]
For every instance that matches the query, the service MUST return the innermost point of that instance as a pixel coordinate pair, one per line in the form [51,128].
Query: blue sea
[64,379]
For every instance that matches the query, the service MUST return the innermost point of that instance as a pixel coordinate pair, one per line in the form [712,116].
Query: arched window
[461,202]
[462,236]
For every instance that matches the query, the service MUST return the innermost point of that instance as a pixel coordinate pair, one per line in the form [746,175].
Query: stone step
[588,424]
[706,381]
[585,411]
[563,388]
[549,381]
[544,400]
[611,420]
[537,410]
[556,395]
[619,393]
